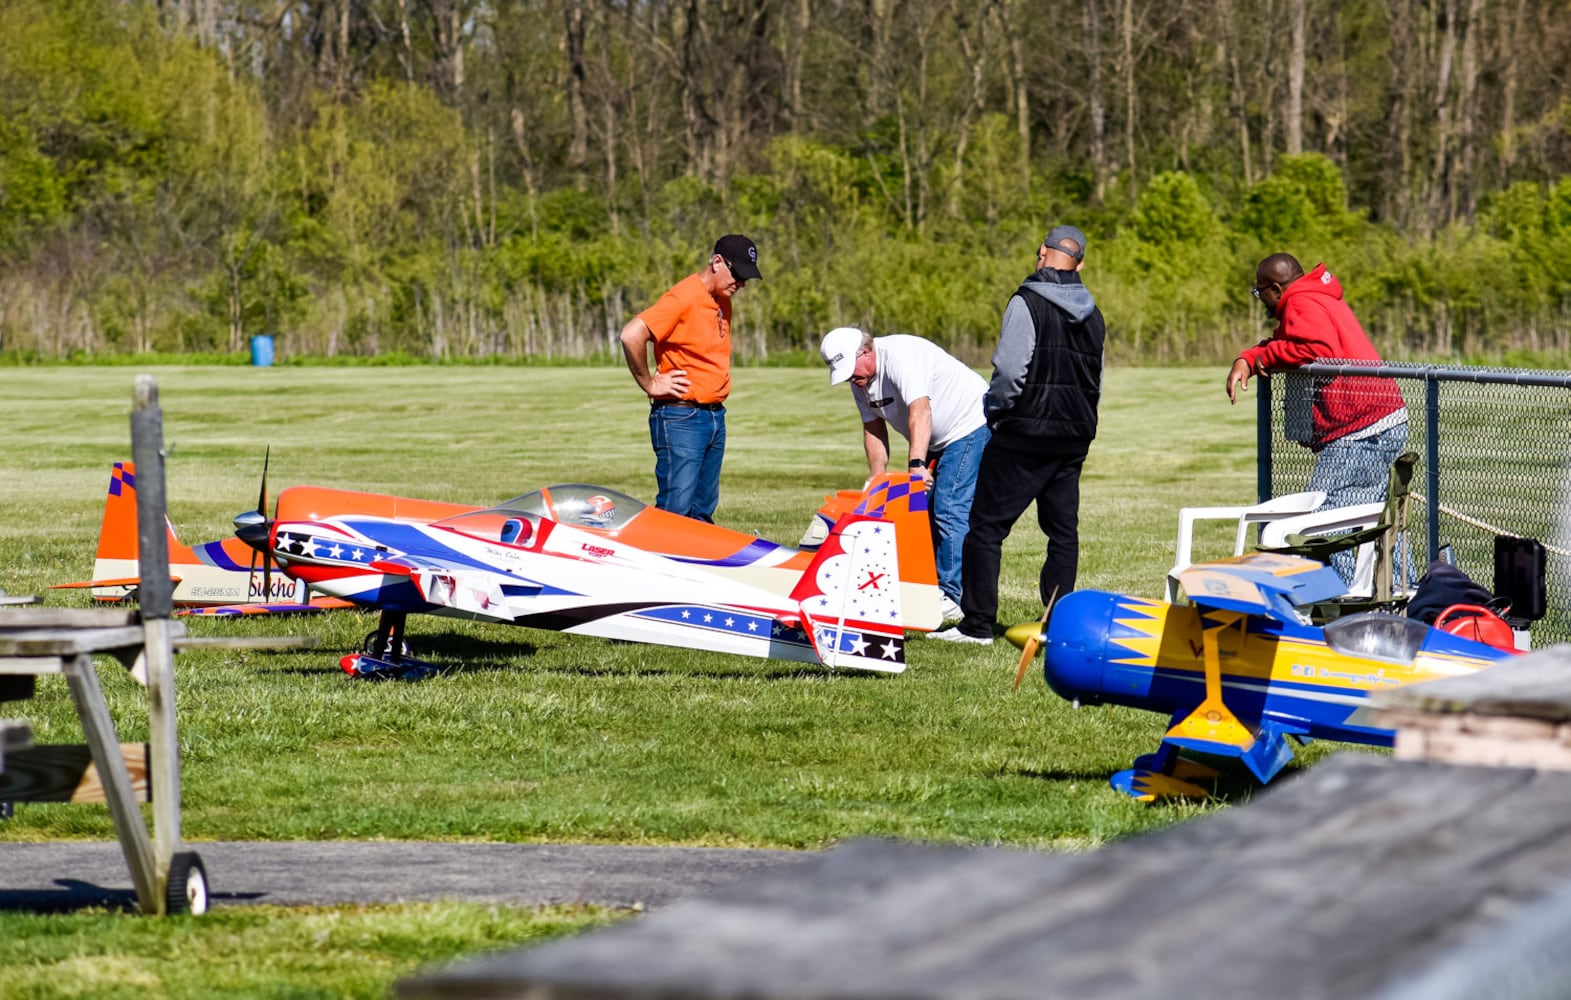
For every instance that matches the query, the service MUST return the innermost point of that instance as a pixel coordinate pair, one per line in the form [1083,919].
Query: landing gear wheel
[186,891]
[370,647]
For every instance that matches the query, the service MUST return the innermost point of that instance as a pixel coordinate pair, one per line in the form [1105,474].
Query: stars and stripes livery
[225,577]
[513,565]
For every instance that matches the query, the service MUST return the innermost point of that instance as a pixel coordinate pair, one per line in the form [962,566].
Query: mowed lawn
[536,736]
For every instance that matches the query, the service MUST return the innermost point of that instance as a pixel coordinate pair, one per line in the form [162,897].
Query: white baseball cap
[839,350]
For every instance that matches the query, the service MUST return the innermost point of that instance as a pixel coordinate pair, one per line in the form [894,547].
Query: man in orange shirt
[690,328]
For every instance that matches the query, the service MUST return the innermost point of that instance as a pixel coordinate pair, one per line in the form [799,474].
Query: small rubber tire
[368,647]
[186,891]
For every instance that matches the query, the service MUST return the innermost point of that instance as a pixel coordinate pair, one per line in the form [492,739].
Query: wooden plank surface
[67,642]
[65,772]
[68,618]
[1343,882]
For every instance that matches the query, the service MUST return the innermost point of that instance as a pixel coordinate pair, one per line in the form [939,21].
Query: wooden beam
[99,729]
[64,772]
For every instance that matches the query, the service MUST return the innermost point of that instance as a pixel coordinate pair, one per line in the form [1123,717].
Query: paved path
[69,875]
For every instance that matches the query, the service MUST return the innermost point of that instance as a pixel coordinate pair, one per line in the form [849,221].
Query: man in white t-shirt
[935,402]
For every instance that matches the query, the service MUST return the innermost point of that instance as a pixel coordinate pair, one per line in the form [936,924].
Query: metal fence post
[1432,459]
[1262,439]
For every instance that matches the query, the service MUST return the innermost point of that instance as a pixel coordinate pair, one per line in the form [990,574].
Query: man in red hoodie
[1357,425]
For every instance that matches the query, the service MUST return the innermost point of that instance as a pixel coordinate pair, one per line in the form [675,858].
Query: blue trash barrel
[261,350]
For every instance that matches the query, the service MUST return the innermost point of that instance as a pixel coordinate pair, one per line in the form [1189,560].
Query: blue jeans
[954,484]
[1355,472]
[689,446]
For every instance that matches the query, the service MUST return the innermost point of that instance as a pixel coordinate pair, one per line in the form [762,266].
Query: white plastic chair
[1334,521]
[1260,513]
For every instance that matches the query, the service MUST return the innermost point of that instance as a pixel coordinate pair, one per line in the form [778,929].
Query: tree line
[513,179]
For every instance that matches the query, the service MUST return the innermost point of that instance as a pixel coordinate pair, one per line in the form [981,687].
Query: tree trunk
[1465,192]
[1094,97]
[975,55]
[1511,35]
[1440,177]
[881,86]
[1295,77]
[1127,55]
[1398,153]
[700,120]
[1010,24]
[795,53]
[407,55]
[521,140]
[578,118]
[1237,99]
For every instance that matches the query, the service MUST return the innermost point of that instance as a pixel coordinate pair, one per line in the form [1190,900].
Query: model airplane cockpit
[570,503]
[1379,636]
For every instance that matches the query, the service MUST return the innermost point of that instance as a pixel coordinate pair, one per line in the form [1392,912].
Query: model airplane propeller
[254,527]
[1240,673]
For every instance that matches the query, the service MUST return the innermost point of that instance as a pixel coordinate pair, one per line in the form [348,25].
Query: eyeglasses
[740,281]
[862,380]
[1255,290]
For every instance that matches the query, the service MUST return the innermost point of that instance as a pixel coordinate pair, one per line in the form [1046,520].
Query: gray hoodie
[1017,339]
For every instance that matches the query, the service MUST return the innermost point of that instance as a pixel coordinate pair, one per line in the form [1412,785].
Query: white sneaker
[957,636]
[949,610]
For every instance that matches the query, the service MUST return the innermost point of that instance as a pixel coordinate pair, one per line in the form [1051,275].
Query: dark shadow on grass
[751,670]
[73,895]
[1227,789]
[451,653]
[1053,775]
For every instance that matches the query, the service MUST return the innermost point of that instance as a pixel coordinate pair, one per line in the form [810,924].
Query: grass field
[536,736]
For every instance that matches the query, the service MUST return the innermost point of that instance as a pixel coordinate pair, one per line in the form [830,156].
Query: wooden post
[99,729]
[155,594]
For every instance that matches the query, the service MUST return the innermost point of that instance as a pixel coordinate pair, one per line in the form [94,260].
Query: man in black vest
[1041,406]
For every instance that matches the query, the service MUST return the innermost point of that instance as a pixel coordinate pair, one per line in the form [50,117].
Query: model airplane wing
[315,605]
[1261,583]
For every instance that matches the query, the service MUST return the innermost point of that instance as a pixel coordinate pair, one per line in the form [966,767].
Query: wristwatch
[917,463]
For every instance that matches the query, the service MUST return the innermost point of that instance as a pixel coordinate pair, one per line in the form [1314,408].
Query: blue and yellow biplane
[1239,670]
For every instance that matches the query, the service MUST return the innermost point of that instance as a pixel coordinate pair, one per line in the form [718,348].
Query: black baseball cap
[741,256]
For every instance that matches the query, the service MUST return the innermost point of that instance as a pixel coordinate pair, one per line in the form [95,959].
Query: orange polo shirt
[693,332]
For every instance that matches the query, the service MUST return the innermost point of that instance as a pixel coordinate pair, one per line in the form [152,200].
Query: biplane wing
[1261,583]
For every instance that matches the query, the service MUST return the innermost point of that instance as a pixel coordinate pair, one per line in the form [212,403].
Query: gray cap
[1060,233]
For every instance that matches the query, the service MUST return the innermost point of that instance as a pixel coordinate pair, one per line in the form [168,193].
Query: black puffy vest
[1064,380]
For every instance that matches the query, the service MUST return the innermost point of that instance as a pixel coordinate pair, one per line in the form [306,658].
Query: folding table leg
[116,778]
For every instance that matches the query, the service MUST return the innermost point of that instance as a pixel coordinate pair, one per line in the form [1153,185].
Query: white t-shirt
[910,368]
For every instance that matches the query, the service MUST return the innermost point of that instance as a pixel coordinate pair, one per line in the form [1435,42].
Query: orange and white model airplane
[250,574]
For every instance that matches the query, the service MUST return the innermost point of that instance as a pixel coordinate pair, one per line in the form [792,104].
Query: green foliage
[157,194]
[1172,217]
[1302,204]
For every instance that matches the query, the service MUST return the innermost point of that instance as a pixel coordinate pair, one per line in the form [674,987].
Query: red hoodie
[1316,325]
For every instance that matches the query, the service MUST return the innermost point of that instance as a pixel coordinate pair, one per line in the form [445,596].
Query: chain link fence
[1494,458]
